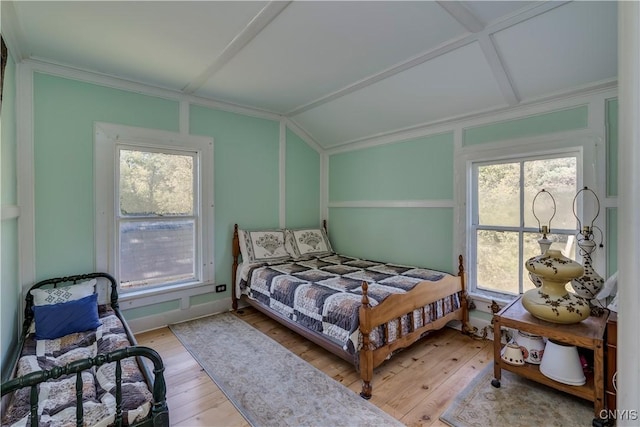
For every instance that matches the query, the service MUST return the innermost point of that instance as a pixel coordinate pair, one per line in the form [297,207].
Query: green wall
[246,176]
[540,124]
[302,183]
[611,111]
[64,115]
[415,170]
[246,172]
[9,287]
[411,236]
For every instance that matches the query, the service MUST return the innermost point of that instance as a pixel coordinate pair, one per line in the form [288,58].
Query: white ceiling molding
[292,125]
[499,71]
[383,75]
[558,102]
[257,24]
[11,32]
[461,14]
[340,73]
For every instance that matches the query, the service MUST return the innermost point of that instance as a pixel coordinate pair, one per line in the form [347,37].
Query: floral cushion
[308,242]
[263,245]
[63,294]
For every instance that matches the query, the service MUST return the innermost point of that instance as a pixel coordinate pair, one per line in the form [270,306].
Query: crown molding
[558,101]
[11,32]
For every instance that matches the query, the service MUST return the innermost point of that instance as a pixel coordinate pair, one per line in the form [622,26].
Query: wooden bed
[390,309]
[126,355]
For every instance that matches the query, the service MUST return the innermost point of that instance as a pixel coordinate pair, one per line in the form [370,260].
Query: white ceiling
[342,71]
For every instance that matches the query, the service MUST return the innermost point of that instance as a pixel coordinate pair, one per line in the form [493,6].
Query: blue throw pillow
[57,320]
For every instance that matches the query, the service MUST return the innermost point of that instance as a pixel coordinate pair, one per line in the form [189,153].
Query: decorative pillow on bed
[309,242]
[57,320]
[63,293]
[262,246]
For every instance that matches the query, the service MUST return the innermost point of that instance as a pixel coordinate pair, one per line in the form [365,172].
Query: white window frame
[108,139]
[580,143]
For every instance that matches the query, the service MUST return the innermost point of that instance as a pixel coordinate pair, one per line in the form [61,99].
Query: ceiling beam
[11,32]
[389,72]
[253,28]
[499,71]
[493,57]
[463,15]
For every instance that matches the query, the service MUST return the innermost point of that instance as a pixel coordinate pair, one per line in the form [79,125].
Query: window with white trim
[154,207]
[503,231]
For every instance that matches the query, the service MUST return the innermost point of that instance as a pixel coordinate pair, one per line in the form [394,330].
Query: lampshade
[561,363]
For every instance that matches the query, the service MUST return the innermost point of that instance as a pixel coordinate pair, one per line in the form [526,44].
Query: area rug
[268,384]
[518,402]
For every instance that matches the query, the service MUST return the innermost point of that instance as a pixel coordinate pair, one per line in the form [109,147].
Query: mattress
[57,397]
[323,294]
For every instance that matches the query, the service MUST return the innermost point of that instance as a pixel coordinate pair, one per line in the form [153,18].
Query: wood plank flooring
[415,387]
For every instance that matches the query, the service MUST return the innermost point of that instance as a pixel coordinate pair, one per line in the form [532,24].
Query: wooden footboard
[393,307]
[397,306]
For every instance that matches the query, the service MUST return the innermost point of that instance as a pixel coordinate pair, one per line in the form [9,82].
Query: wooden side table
[611,350]
[587,334]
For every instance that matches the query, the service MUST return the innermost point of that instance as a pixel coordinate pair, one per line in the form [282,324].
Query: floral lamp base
[564,309]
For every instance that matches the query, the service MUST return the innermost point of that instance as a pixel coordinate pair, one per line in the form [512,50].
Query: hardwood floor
[415,387]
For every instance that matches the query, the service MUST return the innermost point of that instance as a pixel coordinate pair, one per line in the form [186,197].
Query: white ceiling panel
[343,70]
[315,48]
[442,87]
[567,47]
[491,11]
[165,43]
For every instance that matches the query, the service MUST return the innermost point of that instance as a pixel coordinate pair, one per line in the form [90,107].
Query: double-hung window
[502,229]
[154,216]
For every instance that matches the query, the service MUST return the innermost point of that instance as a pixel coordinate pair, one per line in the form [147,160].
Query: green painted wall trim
[418,169]
[9,264]
[477,314]
[150,310]
[612,240]
[302,194]
[611,120]
[540,124]
[202,299]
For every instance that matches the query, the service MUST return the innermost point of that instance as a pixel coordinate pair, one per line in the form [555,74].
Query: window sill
[483,300]
[125,296]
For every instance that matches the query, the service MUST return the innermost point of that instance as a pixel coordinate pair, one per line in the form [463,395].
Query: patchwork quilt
[324,294]
[57,397]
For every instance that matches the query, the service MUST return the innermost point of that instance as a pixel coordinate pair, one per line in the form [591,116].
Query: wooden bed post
[466,327]
[366,353]
[235,253]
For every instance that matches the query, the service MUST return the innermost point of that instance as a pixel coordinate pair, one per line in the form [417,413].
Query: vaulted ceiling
[342,71]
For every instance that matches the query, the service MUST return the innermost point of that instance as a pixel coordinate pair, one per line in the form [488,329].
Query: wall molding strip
[10,212]
[605,89]
[394,204]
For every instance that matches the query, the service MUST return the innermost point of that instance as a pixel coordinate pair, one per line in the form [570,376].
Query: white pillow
[309,242]
[63,293]
[262,246]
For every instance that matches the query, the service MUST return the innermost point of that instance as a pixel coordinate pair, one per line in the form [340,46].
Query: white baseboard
[148,323]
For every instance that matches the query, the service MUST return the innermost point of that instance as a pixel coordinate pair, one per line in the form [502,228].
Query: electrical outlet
[221,288]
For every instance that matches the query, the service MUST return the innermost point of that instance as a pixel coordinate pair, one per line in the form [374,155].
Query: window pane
[156,183]
[499,194]
[558,177]
[497,261]
[154,252]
